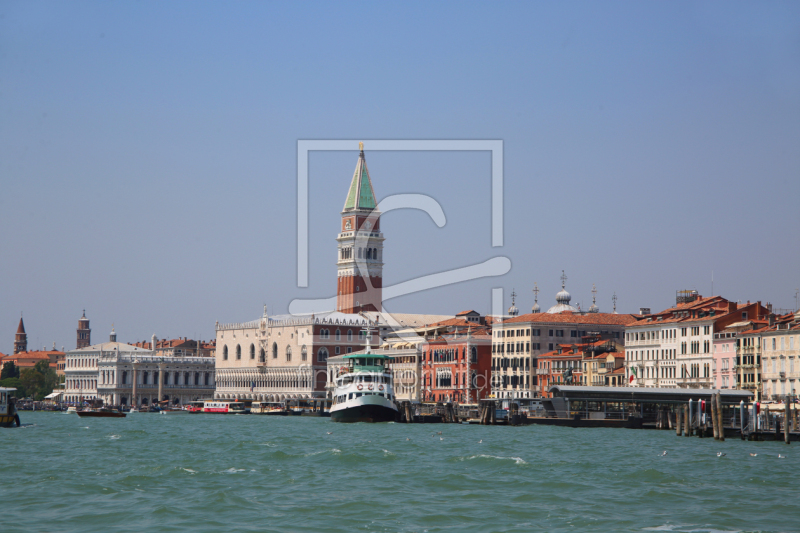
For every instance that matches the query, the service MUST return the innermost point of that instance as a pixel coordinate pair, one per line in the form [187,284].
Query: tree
[14,383]
[10,370]
[40,380]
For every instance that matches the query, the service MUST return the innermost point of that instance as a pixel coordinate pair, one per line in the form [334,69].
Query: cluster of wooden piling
[487,413]
[684,424]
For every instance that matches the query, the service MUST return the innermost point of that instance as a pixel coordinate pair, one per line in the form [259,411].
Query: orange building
[457,363]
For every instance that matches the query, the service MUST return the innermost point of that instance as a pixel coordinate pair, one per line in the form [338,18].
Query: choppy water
[216,473]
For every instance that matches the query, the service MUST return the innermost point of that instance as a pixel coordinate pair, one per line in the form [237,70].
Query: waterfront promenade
[276,474]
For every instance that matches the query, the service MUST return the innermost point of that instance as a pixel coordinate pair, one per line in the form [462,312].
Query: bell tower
[21,338]
[360,246]
[84,334]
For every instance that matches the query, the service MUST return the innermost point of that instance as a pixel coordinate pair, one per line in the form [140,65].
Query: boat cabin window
[350,397]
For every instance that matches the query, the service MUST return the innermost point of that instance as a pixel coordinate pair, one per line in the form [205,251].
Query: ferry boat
[8,408]
[269,408]
[223,407]
[364,391]
[195,406]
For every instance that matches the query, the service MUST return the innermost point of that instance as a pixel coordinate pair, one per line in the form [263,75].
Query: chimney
[644,310]
[771,316]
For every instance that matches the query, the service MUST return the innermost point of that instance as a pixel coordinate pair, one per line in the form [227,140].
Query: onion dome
[562,299]
[513,311]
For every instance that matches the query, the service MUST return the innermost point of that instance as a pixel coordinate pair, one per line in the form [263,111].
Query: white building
[674,348]
[780,359]
[123,374]
[518,341]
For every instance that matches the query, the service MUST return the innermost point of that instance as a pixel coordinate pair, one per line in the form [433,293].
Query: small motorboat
[71,410]
[101,413]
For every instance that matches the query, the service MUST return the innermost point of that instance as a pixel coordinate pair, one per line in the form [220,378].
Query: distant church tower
[21,338]
[84,333]
[360,283]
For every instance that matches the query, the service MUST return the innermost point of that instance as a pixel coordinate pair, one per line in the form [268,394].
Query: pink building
[725,359]
[726,344]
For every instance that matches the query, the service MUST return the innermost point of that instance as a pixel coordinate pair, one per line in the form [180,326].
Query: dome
[560,308]
[563,297]
[594,309]
[535,308]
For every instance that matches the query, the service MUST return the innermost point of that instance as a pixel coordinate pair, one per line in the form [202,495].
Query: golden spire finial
[361,146]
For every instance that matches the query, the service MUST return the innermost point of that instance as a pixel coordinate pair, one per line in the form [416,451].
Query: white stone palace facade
[282,357]
[123,374]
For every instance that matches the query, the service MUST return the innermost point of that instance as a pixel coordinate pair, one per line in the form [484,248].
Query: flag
[633,374]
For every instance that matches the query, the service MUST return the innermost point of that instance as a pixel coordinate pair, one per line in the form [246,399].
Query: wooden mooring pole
[678,420]
[713,409]
[720,419]
[787,413]
[687,432]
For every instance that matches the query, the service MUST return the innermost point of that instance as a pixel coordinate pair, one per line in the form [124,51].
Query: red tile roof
[568,317]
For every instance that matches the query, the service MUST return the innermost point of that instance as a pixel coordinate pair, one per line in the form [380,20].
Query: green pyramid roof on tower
[360,195]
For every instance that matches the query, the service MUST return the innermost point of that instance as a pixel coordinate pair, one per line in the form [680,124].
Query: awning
[53,396]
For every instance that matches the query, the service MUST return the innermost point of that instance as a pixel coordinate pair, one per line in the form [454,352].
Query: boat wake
[517,460]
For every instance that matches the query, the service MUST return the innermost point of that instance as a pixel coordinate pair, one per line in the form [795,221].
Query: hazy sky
[148,153]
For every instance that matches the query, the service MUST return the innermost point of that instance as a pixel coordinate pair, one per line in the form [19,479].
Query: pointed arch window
[238,352]
[274,350]
[338,335]
[252,352]
[262,356]
[350,335]
[304,353]
[322,355]
[288,353]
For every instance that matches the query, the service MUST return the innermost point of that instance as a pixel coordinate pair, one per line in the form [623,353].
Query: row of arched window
[322,354]
[363,253]
[278,381]
[325,334]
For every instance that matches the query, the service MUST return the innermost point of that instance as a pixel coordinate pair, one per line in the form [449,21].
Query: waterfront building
[360,247]
[124,374]
[780,358]
[559,367]
[595,361]
[283,357]
[603,364]
[673,348]
[728,350]
[456,365]
[518,342]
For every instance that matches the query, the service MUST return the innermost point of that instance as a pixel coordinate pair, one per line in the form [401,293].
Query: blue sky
[148,153]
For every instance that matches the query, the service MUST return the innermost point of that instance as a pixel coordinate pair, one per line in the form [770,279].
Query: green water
[218,473]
